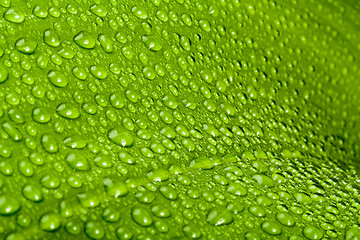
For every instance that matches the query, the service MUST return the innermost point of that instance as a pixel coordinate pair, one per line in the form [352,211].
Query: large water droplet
[219,216]
[141,216]
[8,205]
[14,15]
[121,137]
[25,46]
[85,40]
[68,110]
[58,79]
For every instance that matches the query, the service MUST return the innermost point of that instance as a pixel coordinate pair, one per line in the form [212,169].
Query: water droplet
[58,79]
[285,219]
[41,115]
[111,215]
[352,234]
[139,12]
[161,226]
[13,132]
[204,163]
[8,205]
[313,233]
[77,161]
[49,143]
[237,189]
[106,43]
[115,188]
[124,233]
[141,216]
[5,151]
[263,180]
[32,193]
[50,222]
[68,110]
[271,228]
[169,192]
[158,175]
[23,220]
[25,46]
[5,3]
[14,15]
[160,211]
[121,137]
[40,11]
[98,10]
[51,38]
[98,72]
[235,208]
[26,168]
[74,181]
[126,157]
[75,142]
[94,230]
[219,216]
[257,211]
[152,43]
[149,73]
[205,25]
[128,52]
[50,181]
[79,72]
[302,198]
[85,40]
[4,73]
[88,200]
[192,231]
[73,227]
[103,161]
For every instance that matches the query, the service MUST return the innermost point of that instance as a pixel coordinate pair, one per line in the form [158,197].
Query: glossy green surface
[164,119]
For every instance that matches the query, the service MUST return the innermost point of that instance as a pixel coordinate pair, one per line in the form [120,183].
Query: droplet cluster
[159,119]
